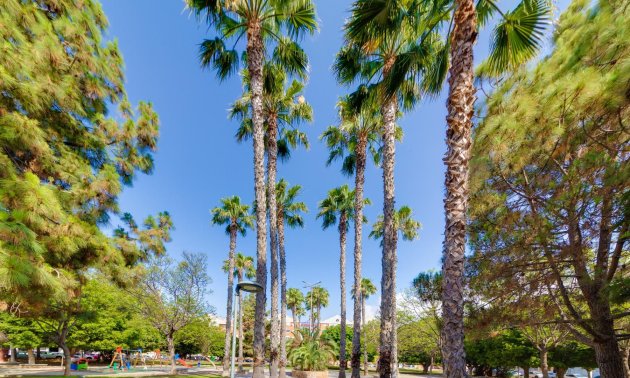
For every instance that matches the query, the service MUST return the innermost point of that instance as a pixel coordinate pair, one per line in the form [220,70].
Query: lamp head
[249,287]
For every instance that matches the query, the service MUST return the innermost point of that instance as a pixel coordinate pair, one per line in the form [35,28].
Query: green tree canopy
[70,142]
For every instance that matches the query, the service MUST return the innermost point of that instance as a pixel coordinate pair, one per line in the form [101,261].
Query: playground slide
[183,363]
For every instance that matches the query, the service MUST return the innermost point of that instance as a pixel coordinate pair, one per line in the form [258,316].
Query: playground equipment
[138,357]
[81,364]
[181,361]
[118,361]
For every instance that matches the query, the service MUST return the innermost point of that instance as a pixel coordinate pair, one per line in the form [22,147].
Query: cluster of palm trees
[396,52]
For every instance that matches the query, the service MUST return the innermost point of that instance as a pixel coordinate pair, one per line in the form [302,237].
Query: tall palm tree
[338,208]
[243,267]
[516,39]
[261,22]
[388,61]
[290,212]
[237,219]
[284,108]
[357,133]
[295,303]
[367,289]
[315,300]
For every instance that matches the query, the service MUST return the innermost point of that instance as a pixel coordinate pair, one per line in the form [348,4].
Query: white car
[539,374]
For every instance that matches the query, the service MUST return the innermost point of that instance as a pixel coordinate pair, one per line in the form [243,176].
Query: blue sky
[199,162]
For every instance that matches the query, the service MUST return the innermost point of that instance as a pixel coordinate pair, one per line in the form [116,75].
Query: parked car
[47,355]
[539,374]
[21,354]
[575,375]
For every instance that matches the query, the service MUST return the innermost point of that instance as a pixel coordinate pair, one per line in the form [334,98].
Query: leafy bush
[313,352]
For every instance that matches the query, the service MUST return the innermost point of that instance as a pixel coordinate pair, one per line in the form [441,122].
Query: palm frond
[212,53]
[291,57]
[348,64]
[300,18]
[518,37]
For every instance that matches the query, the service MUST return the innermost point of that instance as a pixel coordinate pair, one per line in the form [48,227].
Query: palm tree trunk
[283,296]
[240,325]
[296,322]
[388,340]
[255,49]
[359,180]
[272,156]
[365,352]
[228,314]
[343,230]
[460,104]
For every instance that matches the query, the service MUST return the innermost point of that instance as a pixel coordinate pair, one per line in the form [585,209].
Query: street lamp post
[310,297]
[250,287]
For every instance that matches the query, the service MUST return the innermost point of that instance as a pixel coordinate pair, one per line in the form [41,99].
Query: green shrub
[313,352]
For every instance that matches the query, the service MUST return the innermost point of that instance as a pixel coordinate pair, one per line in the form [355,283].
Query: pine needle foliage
[69,142]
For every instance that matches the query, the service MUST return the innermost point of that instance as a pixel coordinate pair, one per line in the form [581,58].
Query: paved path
[103,371]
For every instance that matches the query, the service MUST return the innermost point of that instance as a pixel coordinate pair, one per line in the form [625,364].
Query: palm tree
[243,267]
[516,39]
[403,223]
[290,212]
[367,289]
[356,134]
[237,219]
[295,303]
[338,207]
[260,21]
[284,109]
[388,61]
[315,299]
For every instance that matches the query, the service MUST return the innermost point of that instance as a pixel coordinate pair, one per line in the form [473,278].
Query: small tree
[173,295]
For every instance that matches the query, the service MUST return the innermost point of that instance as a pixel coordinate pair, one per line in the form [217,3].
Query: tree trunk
[67,357]
[460,106]
[283,296]
[561,372]
[312,318]
[12,350]
[171,352]
[272,156]
[31,356]
[388,366]
[296,322]
[625,359]
[525,371]
[359,181]
[343,230]
[240,326]
[609,359]
[61,341]
[255,50]
[544,366]
[228,314]
[365,352]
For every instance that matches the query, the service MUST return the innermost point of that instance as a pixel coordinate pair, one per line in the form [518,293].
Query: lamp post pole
[234,320]
[250,287]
